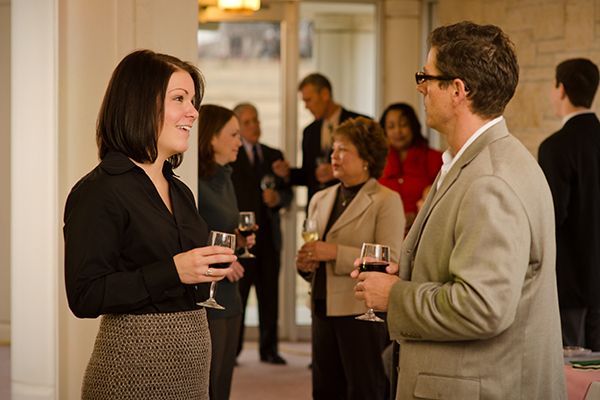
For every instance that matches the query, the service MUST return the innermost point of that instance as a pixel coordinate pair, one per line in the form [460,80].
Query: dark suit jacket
[311,150]
[570,159]
[249,194]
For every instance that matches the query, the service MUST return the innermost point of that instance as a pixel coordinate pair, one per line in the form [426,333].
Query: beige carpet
[254,380]
[4,372]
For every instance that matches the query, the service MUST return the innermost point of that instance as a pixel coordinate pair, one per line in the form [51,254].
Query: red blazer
[411,177]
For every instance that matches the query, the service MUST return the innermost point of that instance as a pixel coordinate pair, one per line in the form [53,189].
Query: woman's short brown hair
[211,120]
[369,139]
[132,112]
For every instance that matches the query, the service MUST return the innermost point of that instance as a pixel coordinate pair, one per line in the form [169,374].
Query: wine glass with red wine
[246,225]
[374,258]
[222,239]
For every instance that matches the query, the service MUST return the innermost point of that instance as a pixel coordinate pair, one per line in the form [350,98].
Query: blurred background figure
[316,172]
[259,190]
[346,352]
[218,145]
[411,166]
[570,159]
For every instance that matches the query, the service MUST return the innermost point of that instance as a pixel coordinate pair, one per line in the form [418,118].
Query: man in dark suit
[570,159]
[259,190]
[316,172]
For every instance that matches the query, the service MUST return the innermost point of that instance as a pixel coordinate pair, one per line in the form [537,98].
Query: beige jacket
[374,216]
[477,314]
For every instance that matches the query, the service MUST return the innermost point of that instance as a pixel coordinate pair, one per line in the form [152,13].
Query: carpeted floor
[252,379]
[4,372]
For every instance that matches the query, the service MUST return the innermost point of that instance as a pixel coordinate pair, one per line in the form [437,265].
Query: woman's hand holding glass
[236,272]
[246,227]
[246,241]
[225,240]
[311,253]
[193,265]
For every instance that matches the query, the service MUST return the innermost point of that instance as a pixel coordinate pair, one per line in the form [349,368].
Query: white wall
[4,171]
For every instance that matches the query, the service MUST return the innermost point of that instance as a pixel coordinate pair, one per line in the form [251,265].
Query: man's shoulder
[269,149]
[313,127]
[555,140]
[582,130]
[347,114]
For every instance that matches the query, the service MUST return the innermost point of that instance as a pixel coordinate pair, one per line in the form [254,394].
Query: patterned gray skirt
[150,356]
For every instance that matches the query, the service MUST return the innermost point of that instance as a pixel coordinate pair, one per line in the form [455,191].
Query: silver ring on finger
[208,272]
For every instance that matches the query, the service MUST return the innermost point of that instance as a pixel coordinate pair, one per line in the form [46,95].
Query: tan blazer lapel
[414,235]
[357,206]
[324,208]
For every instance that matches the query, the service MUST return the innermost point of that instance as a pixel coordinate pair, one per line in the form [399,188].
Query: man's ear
[562,94]
[325,94]
[460,89]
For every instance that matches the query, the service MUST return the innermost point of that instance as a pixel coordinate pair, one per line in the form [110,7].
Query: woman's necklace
[346,195]
[345,199]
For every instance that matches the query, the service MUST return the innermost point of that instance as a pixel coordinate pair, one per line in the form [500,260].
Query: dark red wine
[373,266]
[246,233]
[220,265]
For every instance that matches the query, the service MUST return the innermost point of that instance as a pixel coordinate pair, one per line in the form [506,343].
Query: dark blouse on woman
[120,239]
[343,198]
[217,204]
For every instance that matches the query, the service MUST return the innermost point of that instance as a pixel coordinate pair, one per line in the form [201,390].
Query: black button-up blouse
[120,240]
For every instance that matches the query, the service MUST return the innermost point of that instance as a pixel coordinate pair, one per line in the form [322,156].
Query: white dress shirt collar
[449,160]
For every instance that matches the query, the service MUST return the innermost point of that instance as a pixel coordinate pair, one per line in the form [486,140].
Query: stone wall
[545,32]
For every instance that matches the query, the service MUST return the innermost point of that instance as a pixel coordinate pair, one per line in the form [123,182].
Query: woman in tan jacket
[347,352]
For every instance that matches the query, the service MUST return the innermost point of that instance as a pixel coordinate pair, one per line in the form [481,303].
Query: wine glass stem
[213,289]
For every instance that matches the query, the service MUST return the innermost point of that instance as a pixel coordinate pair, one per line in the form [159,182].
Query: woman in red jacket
[411,165]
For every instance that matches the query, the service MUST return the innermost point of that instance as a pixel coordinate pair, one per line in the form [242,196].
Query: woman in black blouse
[218,145]
[134,240]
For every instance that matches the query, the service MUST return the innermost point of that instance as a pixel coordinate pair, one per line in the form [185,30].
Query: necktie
[326,135]
[256,159]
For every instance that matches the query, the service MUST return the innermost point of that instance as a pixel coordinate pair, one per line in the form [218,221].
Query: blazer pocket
[446,388]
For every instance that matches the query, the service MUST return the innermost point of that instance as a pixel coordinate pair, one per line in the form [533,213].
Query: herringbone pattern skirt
[151,356]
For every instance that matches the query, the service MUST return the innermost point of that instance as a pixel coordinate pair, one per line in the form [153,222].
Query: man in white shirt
[570,159]
[475,306]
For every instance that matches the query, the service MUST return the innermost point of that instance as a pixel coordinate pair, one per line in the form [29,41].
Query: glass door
[260,58]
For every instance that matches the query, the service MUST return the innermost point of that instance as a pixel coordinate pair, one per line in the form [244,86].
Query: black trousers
[346,356]
[224,334]
[263,273]
[581,327]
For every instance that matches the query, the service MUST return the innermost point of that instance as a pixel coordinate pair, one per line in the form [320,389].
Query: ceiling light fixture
[239,5]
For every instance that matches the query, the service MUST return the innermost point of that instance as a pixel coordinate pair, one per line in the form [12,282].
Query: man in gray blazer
[475,308]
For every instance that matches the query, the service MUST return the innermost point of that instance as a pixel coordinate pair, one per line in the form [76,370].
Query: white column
[34,176]
[4,171]
[402,49]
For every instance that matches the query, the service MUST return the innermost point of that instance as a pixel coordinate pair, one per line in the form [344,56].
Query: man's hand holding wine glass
[374,288]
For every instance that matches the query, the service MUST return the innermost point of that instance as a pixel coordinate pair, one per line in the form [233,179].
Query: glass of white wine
[310,231]
[374,258]
[246,225]
[222,239]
